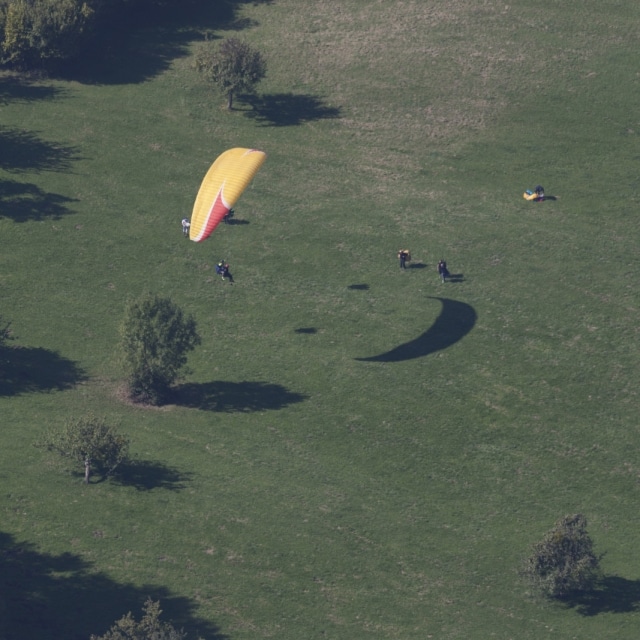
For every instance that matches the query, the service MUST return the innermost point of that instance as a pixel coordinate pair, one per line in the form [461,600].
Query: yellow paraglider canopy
[224,183]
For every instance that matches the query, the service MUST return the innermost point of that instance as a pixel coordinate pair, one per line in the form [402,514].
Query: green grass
[297,490]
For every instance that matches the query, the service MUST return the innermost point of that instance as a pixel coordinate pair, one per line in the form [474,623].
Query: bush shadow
[49,597]
[145,475]
[19,89]
[455,321]
[234,397]
[23,202]
[287,109]
[613,594]
[24,151]
[33,369]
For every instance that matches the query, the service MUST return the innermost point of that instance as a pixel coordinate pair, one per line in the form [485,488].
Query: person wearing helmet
[404,255]
[442,270]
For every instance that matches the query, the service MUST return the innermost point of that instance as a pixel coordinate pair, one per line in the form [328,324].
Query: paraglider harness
[537,194]
[222,269]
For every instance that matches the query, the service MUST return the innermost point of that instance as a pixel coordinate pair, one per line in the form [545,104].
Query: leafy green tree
[155,337]
[89,441]
[148,628]
[233,66]
[563,562]
[34,33]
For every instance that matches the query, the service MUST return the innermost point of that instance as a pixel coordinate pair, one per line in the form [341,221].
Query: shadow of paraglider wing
[455,321]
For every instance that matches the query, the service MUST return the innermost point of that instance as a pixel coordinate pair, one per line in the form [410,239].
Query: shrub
[564,562]
[148,628]
[155,339]
[89,441]
[233,66]
[35,33]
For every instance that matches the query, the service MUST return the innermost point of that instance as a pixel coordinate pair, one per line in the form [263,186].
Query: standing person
[185,227]
[404,255]
[226,273]
[442,270]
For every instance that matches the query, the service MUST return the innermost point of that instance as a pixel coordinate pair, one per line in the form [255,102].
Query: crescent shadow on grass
[456,319]
[234,397]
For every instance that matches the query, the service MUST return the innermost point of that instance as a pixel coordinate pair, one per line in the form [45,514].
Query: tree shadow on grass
[287,109]
[132,57]
[454,322]
[24,151]
[233,397]
[48,597]
[18,89]
[612,595]
[140,44]
[145,475]
[33,369]
[23,202]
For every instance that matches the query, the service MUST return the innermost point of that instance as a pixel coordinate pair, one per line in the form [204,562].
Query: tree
[89,441]
[34,33]
[155,340]
[234,66]
[564,562]
[148,628]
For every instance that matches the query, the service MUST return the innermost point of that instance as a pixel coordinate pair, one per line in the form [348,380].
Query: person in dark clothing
[404,255]
[442,270]
[223,269]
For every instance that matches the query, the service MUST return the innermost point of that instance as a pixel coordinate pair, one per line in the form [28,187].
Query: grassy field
[357,452]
